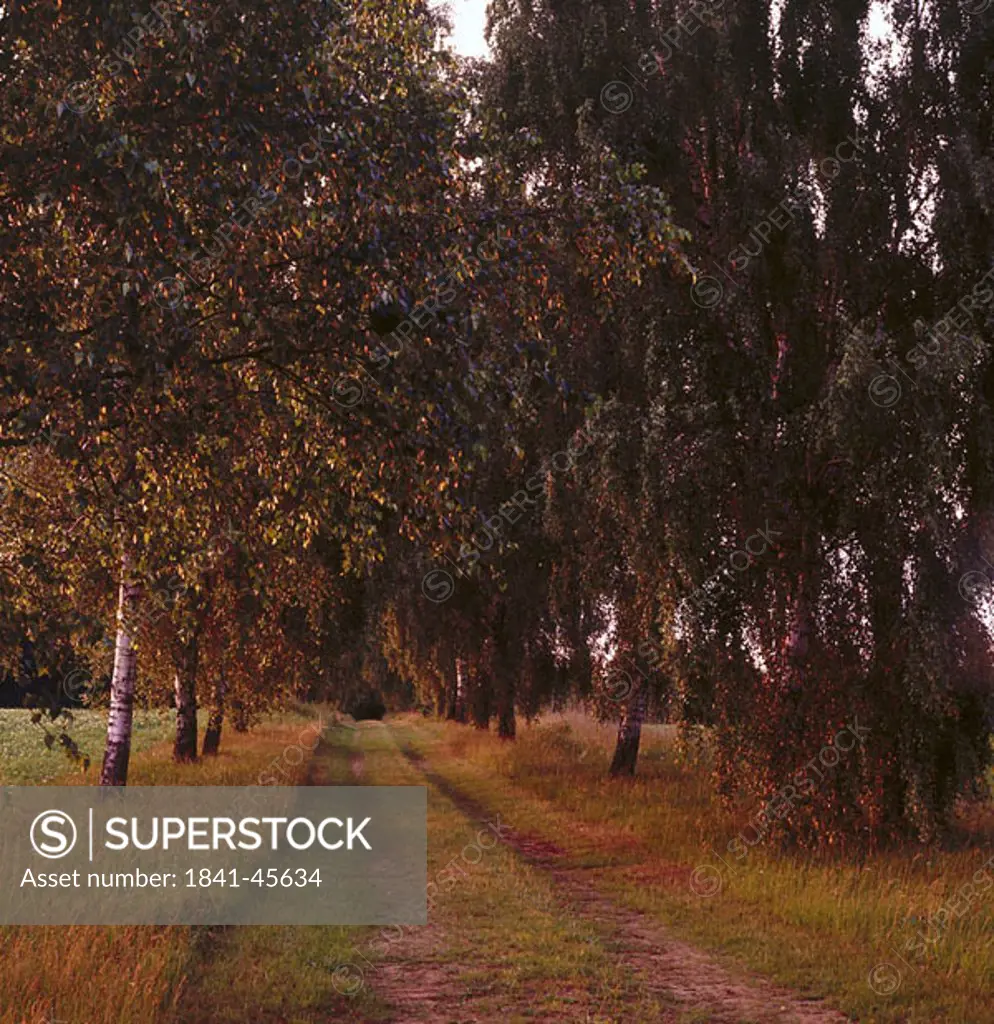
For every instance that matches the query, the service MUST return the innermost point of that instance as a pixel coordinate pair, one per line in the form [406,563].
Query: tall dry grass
[113,975]
[821,923]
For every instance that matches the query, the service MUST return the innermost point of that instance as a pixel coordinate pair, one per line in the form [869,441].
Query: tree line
[507,384]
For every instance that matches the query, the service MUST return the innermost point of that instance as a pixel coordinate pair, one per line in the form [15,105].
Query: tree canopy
[646,365]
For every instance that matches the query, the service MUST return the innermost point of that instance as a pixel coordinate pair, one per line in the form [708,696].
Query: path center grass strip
[499,942]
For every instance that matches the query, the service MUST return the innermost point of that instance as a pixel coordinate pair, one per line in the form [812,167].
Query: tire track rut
[671,970]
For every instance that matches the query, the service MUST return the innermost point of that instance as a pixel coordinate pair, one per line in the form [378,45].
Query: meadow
[25,760]
[547,924]
[894,938]
[113,975]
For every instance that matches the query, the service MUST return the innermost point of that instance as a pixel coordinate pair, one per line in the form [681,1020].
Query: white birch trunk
[122,686]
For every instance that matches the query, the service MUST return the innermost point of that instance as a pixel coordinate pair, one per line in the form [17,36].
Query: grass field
[143,974]
[588,911]
[24,759]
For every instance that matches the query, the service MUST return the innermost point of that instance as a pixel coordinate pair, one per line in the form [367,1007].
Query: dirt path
[413,980]
[419,987]
[701,987]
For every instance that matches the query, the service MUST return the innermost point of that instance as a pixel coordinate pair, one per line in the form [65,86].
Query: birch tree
[114,771]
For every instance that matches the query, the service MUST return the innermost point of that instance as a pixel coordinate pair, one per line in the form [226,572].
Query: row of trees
[806,423]
[491,371]
[838,188]
[203,249]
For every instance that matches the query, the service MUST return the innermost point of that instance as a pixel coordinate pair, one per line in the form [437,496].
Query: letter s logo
[55,826]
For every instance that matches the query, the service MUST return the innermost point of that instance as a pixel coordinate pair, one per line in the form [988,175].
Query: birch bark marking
[114,771]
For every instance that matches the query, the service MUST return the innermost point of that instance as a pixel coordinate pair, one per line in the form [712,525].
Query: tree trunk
[452,693]
[506,726]
[460,714]
[212,738]
[122,685]
[626,751]
[798,644]
[479,701]
[239,717]
[185,747]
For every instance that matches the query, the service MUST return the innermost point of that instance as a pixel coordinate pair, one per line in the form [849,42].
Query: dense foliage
[646,365]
